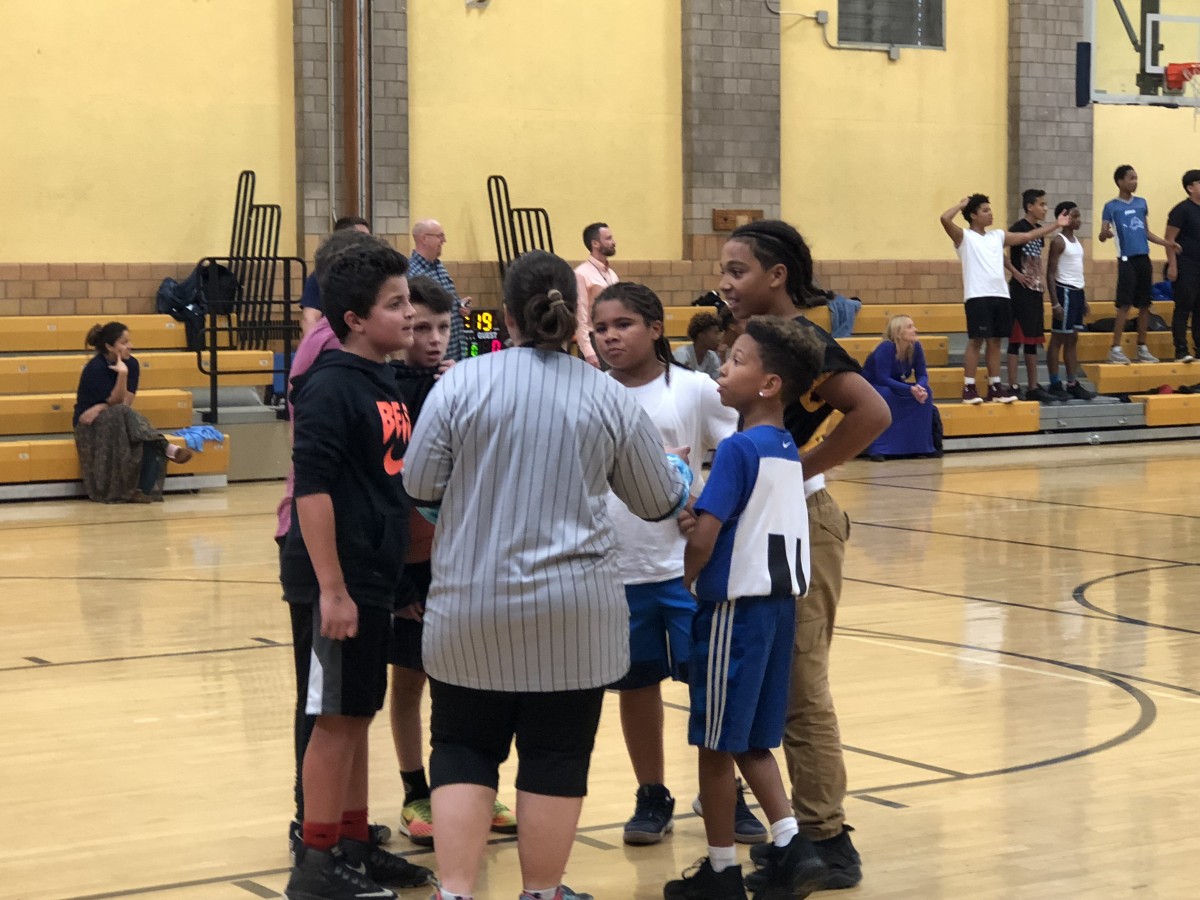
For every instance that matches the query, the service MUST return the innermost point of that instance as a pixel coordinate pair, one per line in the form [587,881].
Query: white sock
[784,830]
[993,379]
[541,893]
[968,381]
[721,858]
[444,894]
[171,450]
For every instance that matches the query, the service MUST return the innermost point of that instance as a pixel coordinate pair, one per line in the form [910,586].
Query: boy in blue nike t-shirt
[1125,220]
[748,560]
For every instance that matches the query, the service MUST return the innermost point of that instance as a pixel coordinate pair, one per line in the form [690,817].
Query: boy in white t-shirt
[985,288]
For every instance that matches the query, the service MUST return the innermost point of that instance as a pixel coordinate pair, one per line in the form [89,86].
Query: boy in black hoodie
[343,557]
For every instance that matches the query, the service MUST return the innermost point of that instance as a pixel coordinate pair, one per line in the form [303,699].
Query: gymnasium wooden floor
[1017,668]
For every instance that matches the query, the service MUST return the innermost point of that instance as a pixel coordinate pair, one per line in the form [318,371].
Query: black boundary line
[952,596]
[999,540]
[890,804]
[1147,712]
[1079,595]
[255,888]
[129,578]
[174,517]
[931,490]
[111,659]
[37,661]
[874,753]
[1018,467]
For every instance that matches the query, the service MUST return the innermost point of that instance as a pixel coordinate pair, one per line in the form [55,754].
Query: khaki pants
[811,742]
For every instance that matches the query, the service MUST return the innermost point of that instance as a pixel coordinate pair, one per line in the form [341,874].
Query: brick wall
[1050,139]
[730,112]
[108,289]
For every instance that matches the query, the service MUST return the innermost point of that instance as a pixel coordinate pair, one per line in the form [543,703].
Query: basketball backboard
[1132,44]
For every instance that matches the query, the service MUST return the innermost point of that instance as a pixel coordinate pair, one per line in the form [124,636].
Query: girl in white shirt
[627,321]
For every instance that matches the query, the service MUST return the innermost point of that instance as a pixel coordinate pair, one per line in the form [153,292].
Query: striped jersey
[521,448]
[756,491]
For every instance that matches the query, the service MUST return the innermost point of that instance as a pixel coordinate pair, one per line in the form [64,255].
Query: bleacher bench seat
[51,413]
[39,334]
[159,370]
[1140,377]
[55,459]
[1170,409]
[964,420]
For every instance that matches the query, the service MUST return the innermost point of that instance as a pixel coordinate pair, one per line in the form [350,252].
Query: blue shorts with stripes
[739,671]
[1071,299]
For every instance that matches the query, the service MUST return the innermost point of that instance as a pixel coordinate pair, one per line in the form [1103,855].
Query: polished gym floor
[1016,665]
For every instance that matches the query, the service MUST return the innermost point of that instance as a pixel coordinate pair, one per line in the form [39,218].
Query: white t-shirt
[982,258]
[688,413]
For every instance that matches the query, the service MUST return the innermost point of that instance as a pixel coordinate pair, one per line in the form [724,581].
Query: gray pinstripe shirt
[521,447]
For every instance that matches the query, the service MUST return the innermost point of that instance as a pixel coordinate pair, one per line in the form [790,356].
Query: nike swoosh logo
[786,444]
[391,466]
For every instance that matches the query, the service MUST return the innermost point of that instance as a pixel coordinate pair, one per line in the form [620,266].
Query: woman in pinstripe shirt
[526,620]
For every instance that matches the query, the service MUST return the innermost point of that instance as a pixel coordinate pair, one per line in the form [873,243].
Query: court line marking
[891,804]
[1147,711]
[850,749]
[111,659]
[998,540]
[255,888]
[932,490]
[1079,595]
[142,578]
[170,517]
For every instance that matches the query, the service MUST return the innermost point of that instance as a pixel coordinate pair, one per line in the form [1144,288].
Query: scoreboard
[483,330]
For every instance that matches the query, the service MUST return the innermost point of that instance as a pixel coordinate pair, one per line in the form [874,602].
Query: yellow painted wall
[1161,144]
[124,124]
[873,151]
[1117,63]
[577,104]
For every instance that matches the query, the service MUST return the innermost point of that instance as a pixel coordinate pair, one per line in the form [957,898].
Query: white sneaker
[1186,358]
[1117,357]
[1144,354]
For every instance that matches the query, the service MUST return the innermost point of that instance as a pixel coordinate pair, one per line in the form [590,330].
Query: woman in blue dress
[896,368]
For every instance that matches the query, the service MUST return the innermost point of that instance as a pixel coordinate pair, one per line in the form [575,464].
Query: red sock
[354,825]
[321,835]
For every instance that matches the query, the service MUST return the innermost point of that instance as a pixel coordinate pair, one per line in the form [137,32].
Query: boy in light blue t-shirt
[1125,220]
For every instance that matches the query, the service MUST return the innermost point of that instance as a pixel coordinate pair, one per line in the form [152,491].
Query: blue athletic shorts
[1071,300]
[660,628]
[740,670]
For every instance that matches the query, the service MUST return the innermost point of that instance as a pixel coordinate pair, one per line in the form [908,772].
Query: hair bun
[554,295]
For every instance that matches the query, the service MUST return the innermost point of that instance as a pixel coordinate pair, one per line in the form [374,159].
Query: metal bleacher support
[517,229]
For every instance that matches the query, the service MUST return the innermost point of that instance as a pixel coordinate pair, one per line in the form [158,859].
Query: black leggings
[472,732]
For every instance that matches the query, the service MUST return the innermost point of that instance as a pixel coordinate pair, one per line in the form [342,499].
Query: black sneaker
[1059,392]
[380,834]
[1040,394]
[652,817]
[319,875]
[1079,392]
[702,883]
[792,871]
[383,867]
[845,865]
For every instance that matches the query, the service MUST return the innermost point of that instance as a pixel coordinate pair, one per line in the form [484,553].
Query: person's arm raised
[951,227]
[1019,238]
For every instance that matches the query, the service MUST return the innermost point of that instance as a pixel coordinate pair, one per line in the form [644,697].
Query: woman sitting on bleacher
[896,368]
[121,454]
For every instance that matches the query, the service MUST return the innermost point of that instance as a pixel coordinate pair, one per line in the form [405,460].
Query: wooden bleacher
[1170,409]
[159,369]
[1140,377]
[965,420]
[40,361]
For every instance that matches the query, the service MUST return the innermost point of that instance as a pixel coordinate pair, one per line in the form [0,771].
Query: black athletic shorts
[349,678]
[471,732]
[1028,316]
[1134,278]
[407,633]
[989,317]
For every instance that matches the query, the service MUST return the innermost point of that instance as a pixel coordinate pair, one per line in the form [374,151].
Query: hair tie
[556,297]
